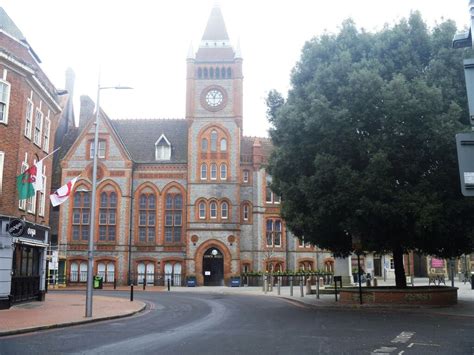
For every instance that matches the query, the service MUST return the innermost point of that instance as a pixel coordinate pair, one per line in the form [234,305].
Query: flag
[63,193]
[30,181]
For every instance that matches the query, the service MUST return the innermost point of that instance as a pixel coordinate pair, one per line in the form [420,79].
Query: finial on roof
[190,51]
[238,50]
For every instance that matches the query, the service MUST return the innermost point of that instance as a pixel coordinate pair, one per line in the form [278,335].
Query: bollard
[144,284]
[279,286]
[131,293]
[291,285]
[301,288]
[472,281]
[317,287]
[375,282]
[335,289]
[169,284]
[115,284]
[265,284]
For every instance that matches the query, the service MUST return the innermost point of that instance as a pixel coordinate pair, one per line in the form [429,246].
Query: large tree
[364,143]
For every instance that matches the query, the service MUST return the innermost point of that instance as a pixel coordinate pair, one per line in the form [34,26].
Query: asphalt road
[196,323]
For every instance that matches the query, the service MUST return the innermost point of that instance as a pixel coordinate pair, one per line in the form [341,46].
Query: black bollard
[131,293]
[335,289]
[115,284]
[169,284]
[144,284]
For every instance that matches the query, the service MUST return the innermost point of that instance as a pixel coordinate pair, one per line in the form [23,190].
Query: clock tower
[214,114]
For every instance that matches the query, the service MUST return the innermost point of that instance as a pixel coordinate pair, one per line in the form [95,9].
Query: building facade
[30,109]
[180,197]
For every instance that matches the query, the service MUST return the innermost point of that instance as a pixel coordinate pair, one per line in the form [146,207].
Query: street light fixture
[90,251]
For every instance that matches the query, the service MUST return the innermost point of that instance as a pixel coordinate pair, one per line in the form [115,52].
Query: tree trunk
[400,279]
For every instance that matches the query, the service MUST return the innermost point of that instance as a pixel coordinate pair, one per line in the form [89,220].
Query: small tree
[364,144]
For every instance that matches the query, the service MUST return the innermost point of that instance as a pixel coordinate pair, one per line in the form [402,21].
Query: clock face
[214,98]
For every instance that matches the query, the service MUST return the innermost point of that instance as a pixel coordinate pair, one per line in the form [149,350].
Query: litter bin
[235,281]
[98,281]
[191,281]
[472,280]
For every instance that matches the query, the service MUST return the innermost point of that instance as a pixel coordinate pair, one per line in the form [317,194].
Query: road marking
[297,304]
[424,344]
[410,345]
[384,350]
[401,352]
[403,337]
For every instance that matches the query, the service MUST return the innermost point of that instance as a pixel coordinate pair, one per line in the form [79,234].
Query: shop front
[23,252]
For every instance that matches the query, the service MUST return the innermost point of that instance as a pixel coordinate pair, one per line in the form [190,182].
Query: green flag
[24,183]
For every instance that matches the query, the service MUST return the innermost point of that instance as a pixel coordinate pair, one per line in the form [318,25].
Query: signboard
[465,149]
[16,228]
[207,273]
[437,262]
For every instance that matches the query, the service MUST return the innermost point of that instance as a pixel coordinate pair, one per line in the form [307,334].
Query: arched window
[78,271]
[213,171]
[173,217]
[147,218]
[229,73]
[218,73]
[202,210]
[214,141]
[246,176]
[205,73]
[204,145]
[273,232]
[199,73]
[246,212]
[223,73]
[223,171]
[203,171]
[81,216]
[106,269]
[107,216]
[213,209]
[211,73]
[223,145]
[224,210]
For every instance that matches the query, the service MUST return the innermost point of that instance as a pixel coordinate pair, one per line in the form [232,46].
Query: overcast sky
[144,43]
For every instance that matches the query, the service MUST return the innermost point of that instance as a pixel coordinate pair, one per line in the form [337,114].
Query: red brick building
[30,110]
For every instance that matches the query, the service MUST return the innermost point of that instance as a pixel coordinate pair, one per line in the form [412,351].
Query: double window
[81,216]
[4,101]
[108,216]
[173,217]
[162,148]
[147,218]
[273,232]
[100,151]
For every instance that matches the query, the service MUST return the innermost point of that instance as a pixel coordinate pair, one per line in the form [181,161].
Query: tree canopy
[364,143]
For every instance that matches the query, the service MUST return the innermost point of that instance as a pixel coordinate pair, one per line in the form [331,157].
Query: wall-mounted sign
[437,262]
[207,273]
[16,228]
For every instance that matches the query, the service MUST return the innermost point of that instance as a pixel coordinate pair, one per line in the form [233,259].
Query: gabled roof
[140,135]
[7,25]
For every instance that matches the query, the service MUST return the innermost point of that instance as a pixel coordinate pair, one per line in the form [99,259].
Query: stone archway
[226,260]
[213,267]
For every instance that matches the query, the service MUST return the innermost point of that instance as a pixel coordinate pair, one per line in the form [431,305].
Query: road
[198,323]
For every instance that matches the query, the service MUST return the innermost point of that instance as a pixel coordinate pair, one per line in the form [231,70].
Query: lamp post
[90,250]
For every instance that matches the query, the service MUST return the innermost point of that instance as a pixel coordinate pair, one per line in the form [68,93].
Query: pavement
[61,309]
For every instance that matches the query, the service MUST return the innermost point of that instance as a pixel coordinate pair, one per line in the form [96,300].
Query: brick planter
[422,295]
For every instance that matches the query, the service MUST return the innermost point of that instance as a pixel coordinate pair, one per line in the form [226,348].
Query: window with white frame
[42,194]
[2,158]
[246,212]
[24,167]
[202,210]
[213,171]
[224,210]
[29,118]
[246,176]
[38,127]
[162,148]
[203,171]
[273,232]
[100,152]
[223,171]
[46,133]
[4,101]
[31,201]
[213,209]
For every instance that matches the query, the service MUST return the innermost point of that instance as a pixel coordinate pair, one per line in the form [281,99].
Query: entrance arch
[213,267]
[199,257]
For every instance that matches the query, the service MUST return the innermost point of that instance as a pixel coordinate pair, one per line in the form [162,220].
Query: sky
[144,44]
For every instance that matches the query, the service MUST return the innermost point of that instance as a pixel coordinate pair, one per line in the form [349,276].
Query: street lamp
[90,250]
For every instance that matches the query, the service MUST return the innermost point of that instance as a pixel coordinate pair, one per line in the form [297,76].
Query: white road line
[411,345]
[401,352]
[403,337]
[384,350]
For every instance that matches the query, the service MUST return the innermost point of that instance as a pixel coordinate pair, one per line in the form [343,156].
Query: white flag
[63,193]
[37,178]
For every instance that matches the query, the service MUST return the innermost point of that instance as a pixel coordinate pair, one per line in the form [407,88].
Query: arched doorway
[213,267]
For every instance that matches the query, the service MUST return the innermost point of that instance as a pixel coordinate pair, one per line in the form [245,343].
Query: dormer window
[162,148]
